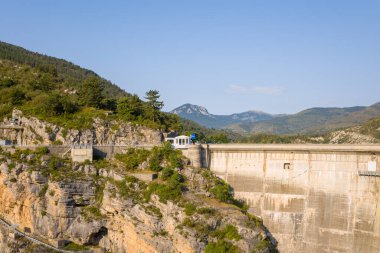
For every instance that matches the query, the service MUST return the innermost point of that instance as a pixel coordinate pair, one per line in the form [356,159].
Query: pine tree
[153,105]
[130,107]
[90,93]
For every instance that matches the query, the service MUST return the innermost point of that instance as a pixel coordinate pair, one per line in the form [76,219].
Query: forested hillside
[72,74]
[60,92]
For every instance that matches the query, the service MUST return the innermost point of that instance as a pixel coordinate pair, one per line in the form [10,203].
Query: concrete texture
[311,197]
[81,153]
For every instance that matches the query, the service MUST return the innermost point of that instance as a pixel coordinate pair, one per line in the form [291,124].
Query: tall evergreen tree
[130,107]
[90,93]
[153,105]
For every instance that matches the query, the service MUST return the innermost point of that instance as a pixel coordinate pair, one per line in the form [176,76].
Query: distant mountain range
[309,121]
[200,115]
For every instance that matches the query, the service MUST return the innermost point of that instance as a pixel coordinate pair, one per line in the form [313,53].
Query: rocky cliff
[62,202]
[32,131]
[9,243]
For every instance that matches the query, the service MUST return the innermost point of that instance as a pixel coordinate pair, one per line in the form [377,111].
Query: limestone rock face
[35,131]
[67,208]
[54,213]
[9,243]
[351,136]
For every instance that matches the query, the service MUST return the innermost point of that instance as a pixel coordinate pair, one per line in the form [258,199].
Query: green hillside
[311,121]
[65,94]
[371,128]
[71,74]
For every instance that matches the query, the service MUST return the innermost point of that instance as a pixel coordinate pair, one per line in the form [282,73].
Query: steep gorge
[100,205]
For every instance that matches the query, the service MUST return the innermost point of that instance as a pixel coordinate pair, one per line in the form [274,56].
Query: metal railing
[369,173]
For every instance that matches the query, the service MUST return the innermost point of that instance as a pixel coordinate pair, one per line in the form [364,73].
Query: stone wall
[310,197]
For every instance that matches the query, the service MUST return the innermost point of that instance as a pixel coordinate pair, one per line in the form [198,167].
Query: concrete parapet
[193,152]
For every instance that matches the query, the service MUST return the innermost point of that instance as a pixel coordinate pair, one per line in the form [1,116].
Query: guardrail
[30,238]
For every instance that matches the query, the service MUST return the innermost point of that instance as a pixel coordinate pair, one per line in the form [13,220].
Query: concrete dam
[312,198]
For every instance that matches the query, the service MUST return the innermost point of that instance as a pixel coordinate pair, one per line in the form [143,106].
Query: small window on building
[372,166]
[286,166]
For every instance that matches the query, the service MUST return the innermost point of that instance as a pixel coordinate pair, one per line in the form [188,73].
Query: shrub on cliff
[133,158]
[165,154]
[221,246]
[229,232]
[171,190]
[222,191]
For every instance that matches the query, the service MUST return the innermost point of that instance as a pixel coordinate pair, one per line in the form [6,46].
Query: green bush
[75,247]
[190,209]
[131,189]
[222,191]
[101,164]
[133,158]
[99,191]
[7,82]
[11,166]
[206,211]
[175,179]
[229,232]
[92,213]
[165,153]
[156,211]
[57,142]
[155,161]
[166,173]
[64,132]
[43,191]
[221,246]
[188,222]
[170,191]
[261,245]
[42,150]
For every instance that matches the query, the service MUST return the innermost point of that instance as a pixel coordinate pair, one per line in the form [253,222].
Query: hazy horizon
[229,57]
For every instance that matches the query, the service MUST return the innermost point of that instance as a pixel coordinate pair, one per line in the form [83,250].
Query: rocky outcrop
[34,131]
[59,201]
[11,243]
[350,136]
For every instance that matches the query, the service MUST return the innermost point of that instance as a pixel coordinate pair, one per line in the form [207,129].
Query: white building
[181,141]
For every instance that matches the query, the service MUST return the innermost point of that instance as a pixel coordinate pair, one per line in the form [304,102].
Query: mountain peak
[201,115]
[191,109]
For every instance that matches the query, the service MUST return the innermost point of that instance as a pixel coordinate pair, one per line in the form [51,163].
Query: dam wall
[312,198]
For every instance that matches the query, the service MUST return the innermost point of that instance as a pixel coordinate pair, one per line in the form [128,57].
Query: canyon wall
[311,197]
[32,131]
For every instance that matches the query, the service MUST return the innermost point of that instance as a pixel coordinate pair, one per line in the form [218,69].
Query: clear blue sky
[229,56]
